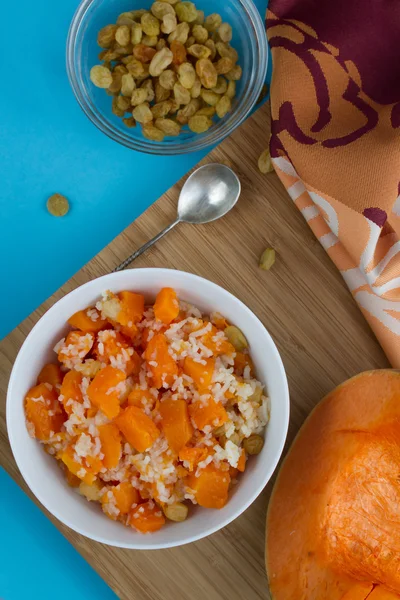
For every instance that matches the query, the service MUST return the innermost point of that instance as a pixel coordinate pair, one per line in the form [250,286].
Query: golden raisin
[210,97]
[136,33]
[186,12]
[223,106]
[106,36]
[101,76]
[267,259]
[179,52]
[187,75]
[176,512]
[199,51]
[168,126]
[225,32]
[138,96]
[182,95]
[144,53]
[127,84]
[161,60]
[123,35]
[142,114]
[168,79]
[213,22]
[207,73]
[153,133]
[180,34]
[150,24]
[58,205]
[236,338]
[169,24]
[199,124]
[265,163]
[253,444]
[161,109]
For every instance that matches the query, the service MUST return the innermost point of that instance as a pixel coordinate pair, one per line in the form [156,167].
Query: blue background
[36,561]
[47,145]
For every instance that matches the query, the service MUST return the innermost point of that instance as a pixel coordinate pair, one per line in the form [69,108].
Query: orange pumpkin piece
[125,495]
[43,411]
[72,479]
[211,487]
[139,430]
[241,362]
[146,332]
[103,391]
[141,398]
[343,467]
[76,346]
[110,439]
[71,390]
[88,320]
[215,341]
[181,472]
[132,309]
[241,466]
[219,321]
[233,472]
[113,345]
[166,306]
[85,471]
[381,593]
[360,591]
[175,423]
[192,456]
[92,412]
[146,518]
[163,368]
[210,413]
[201,374]
[133,365]
[51,374]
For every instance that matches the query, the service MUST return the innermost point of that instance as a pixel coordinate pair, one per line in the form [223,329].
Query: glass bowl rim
[197,143]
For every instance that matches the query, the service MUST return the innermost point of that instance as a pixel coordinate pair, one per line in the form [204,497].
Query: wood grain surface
[303,302]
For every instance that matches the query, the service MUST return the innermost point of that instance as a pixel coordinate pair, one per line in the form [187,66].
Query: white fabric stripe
[284,165]
[377,307]
[378,270]
[310,212]
[386,287]
[296,190]
[367,255]
[354,278]
[328,240]
[329,211]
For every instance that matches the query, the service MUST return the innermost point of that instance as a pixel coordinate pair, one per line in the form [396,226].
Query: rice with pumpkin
[149,409]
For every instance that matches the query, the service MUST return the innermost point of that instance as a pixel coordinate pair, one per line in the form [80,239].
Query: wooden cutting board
[303,302]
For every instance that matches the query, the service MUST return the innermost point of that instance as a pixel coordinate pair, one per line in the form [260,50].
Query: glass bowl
[249,39]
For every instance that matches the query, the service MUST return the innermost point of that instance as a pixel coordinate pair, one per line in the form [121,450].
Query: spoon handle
[145,247]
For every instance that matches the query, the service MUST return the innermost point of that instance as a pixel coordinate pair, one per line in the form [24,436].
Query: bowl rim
[174,148]
[285,400]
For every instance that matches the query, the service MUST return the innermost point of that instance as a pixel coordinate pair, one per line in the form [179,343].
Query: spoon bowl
[209,193]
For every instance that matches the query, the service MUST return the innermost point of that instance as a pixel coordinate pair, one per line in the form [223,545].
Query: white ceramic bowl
[44,477]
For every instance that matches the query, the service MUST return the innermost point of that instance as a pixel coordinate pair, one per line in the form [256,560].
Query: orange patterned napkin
[335,102]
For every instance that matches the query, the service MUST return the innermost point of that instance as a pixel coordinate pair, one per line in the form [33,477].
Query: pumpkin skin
[333,522]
